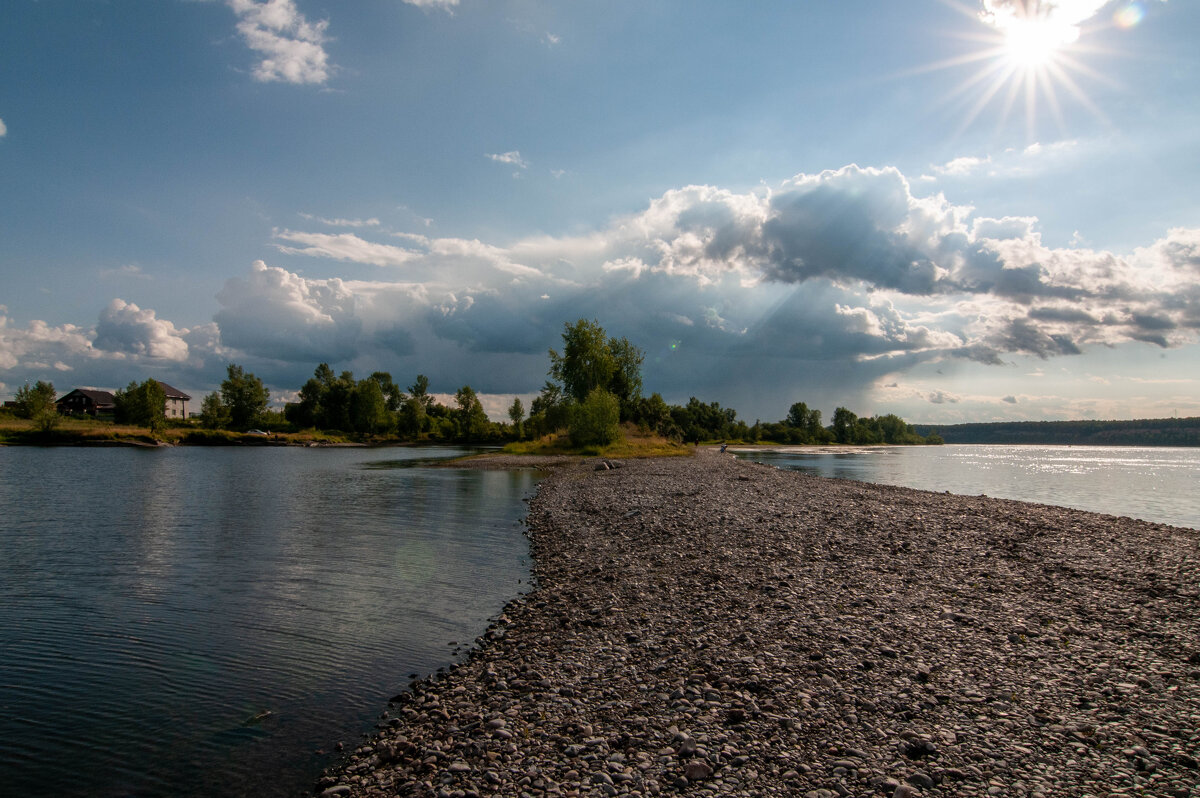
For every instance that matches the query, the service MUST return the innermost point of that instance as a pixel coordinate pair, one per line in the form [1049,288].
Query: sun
[1029,59]
[1033,42]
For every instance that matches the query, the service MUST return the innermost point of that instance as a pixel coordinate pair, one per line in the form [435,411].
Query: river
[212,621]
[1149,483]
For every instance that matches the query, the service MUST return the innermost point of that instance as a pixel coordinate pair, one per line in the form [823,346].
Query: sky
[951,210]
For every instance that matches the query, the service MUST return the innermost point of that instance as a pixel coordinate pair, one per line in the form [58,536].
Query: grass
[633,443]
[87,431]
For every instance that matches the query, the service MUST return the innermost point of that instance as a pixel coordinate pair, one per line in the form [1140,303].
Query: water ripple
[201,621]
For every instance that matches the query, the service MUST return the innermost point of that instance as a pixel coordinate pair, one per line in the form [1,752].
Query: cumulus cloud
[445,5]
[273,313]
[820,289]
[39,341]
[124,328]
[845,273]
[3,129]
[292,48]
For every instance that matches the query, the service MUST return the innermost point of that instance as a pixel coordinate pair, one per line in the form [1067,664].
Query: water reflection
[166,606]
[1154,484]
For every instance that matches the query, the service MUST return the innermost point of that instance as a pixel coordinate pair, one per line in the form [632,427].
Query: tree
[471,418]
[35,399]
[411,418]
[213,414]
[144,405]
[804,424]
[596,420]
[626,382]
[549,411]
[516,412]
[244,395]
[368,408]
[420,391]
[654,414]
[37,403]
[591,360]
[843,425]
[586,363]
[391,391]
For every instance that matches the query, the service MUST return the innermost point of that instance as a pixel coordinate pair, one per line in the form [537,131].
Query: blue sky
[949,210]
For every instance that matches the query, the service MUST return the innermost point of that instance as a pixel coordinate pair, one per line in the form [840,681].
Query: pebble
[730,629]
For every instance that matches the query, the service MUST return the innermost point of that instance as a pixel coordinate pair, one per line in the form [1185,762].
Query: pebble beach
[713,627]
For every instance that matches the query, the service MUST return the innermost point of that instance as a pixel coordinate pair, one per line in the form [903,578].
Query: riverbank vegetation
[1138,432]
[591,403]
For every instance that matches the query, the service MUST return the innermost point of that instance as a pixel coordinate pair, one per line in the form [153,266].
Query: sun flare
[1034,42]
[1031,58]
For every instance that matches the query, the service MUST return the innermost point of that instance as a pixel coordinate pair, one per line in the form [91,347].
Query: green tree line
[594,385]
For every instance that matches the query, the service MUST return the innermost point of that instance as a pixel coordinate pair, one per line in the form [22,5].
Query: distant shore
[714,627]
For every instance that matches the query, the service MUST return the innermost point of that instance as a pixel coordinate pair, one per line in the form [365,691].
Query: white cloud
[960,167]
[40,341]
[126,329]
[128,270]
[1063,17]
[897,277]
[292,48]
[344,246]
[3,129]
[273,313]
[446,5]
[372,222]
[513,158]
[822,289]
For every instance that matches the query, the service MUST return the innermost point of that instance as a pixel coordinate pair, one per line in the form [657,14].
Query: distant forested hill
[1141,432]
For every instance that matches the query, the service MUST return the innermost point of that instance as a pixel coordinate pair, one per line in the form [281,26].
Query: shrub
[596,420]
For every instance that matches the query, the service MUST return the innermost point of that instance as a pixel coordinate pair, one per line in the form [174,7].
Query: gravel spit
[712,627]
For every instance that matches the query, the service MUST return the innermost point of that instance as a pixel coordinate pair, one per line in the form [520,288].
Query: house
[176,401]
[98,403]
[86,401]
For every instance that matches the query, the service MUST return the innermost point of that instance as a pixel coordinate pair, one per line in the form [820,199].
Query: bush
[596,420]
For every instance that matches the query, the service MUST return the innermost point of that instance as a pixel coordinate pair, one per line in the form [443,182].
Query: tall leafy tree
[411,419]
[590,359]
[586,361]
[392,394]
[34,399]
[516,412]
[244,395]
[144,405]
[471,417]
[626,381]
[368,408]
[420,391]
[843,425]
[36,402]
[213,413]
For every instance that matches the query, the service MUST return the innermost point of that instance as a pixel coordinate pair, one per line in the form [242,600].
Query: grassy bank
[634,443]
[90,432]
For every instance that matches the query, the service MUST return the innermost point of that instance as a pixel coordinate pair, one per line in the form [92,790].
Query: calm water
[1154,484]
[154,604]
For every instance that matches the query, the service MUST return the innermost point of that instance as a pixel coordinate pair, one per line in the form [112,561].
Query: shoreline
[710,626]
